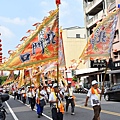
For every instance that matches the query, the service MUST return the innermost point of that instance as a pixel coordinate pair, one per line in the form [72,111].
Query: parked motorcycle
[3,97]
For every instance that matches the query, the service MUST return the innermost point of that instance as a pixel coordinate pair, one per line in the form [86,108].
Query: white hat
[94,82]
[69,82]
[55,85]
[50,84]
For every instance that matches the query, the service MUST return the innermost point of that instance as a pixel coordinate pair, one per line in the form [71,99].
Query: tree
[2,79]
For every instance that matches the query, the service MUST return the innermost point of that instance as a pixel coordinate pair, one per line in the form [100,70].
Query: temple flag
[100,41]
[58,2]
[61,56]
[39,48]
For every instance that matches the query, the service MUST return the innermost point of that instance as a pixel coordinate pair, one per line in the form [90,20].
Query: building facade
[74,41]
[95,11]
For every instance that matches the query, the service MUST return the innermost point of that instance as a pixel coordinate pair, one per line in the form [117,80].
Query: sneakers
[38,116]
[72,113]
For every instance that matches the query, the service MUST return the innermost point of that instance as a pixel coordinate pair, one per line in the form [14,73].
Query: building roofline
[74,27]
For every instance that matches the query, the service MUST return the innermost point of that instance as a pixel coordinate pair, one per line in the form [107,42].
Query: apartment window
[77,35]
[116,34]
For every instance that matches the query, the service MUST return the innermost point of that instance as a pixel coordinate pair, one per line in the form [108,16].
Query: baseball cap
[69,82]
[55,85]
[94,82]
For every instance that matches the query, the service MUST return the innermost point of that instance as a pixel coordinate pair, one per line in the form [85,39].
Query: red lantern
[0,45]
[0,40]
[0,53]
[0,49]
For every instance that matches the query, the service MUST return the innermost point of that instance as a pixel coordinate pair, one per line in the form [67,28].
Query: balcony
[96,5]
[95,19]
[112,6]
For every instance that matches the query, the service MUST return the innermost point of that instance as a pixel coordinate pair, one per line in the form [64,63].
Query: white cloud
[64,9]
[44,3]
[33,20]
[16,20]
[6,33]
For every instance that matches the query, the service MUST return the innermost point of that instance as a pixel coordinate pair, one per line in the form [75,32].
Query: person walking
[23,92]
[94,94]
[32,98]
[70,98]
[55,99]
[40,101]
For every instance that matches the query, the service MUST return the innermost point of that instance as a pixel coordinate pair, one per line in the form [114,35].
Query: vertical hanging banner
[100,42]
[61,56]
[10,78]
[40,47]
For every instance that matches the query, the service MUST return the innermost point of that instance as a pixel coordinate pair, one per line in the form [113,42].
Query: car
[113,93]
[81,90]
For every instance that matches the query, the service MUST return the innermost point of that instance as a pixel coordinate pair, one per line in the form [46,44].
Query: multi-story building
[94,11]
[74,41]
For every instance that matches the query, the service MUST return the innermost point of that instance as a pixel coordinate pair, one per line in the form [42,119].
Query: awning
[88,72]
[113,71]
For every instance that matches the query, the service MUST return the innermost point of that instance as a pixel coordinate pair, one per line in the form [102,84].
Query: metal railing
[95,18]
[92,5]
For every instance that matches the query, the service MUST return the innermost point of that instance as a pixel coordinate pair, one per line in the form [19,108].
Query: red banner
[39,48]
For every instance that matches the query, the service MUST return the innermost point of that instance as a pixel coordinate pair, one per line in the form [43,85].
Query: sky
[18,16]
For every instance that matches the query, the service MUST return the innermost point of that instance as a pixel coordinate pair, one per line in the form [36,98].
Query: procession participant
[19,94]
[70,98]
[55,99]
[45,92]
[32,97]
[23,92]
[95,95]
[40,102]
[29,94]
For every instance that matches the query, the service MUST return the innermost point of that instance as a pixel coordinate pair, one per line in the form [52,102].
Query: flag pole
[57,3]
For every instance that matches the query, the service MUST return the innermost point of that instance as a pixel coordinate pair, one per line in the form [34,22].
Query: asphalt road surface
[19,111]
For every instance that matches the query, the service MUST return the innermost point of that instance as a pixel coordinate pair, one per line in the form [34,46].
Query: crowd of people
[52,94]
[56,96]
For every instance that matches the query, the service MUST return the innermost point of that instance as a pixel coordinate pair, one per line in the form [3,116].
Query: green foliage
[2,79]
[74,78]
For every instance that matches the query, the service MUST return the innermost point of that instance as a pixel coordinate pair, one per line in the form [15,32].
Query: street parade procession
[39,80]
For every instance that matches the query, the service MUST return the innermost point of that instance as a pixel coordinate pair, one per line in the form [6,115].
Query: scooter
[3,97]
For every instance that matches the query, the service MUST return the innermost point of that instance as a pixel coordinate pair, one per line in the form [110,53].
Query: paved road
[110,110]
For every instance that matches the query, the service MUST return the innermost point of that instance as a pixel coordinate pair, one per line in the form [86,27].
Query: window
[77,35]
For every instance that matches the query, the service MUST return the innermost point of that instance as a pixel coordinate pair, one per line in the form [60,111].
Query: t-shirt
[95,98]
[43,92]
[53,97]
[70,93]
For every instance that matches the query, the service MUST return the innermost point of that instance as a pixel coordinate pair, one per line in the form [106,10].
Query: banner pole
[58,45]
[57,49]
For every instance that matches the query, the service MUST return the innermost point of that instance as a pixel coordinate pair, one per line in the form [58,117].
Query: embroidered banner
[100,42]
[40,47]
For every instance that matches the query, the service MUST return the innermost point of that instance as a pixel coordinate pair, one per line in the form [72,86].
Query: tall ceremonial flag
[61,55]
[21,81]
[39,48]
[100,41]
[10,78]
[58,2]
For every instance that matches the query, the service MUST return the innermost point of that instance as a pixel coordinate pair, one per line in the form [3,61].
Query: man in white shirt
[70,98]
[55,99]
[95,95]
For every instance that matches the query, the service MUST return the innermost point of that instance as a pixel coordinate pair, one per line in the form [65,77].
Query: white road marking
[11,111]
[35,110]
